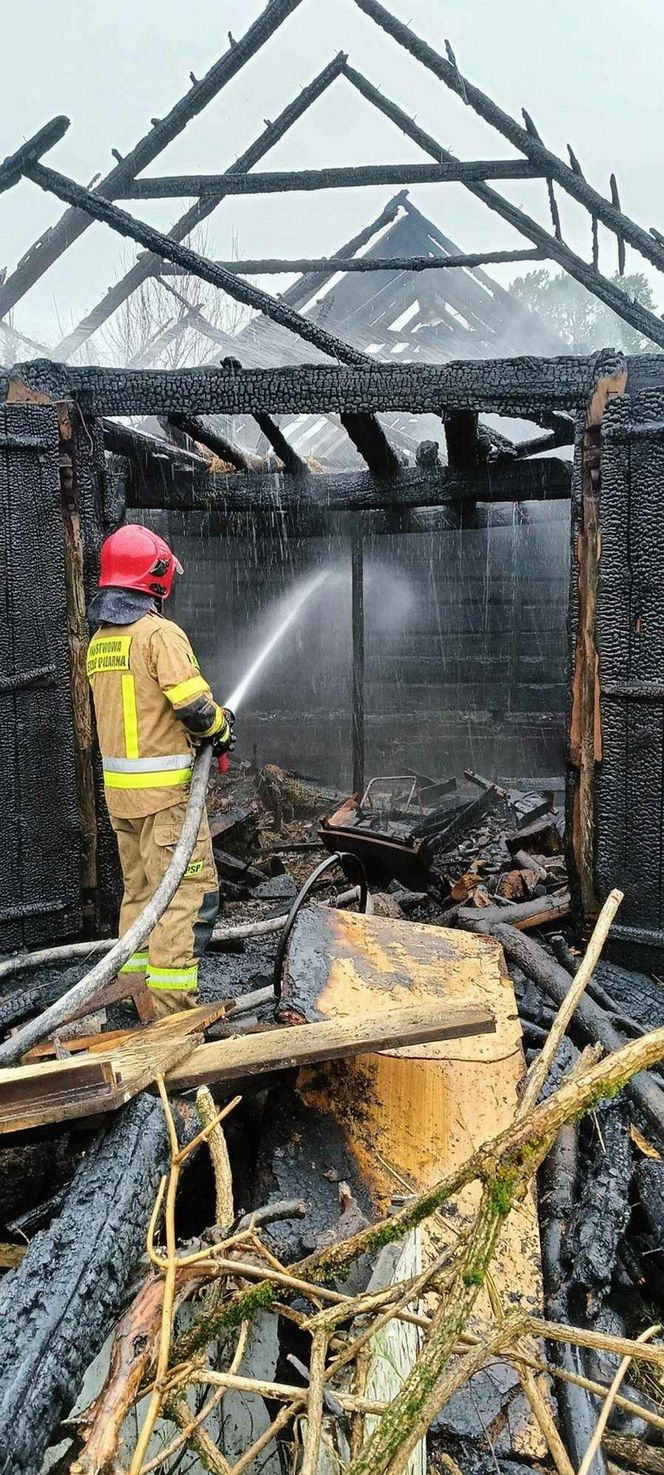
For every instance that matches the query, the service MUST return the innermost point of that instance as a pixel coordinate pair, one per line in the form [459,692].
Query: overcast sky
[588,73]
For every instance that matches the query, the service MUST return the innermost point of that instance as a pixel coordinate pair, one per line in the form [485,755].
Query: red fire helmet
[136,558]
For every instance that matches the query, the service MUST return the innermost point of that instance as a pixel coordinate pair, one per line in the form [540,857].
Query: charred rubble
[455,852]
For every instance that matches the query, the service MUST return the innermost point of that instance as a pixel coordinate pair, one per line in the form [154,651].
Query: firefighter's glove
[225,739]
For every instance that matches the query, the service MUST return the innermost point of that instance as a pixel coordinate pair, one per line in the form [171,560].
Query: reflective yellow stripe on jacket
[180,979]
[147,773]
[130,715]
[185,690]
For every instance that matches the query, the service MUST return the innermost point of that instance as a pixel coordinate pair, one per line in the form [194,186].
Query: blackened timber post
[585,738]
[358,730]
[77,638]
[462,439]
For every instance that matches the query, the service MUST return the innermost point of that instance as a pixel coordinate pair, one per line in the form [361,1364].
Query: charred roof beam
[74,222]
[220,445]
[14,166]
[369,438]
[161,187]
[630,311]
[525,387]
[528,142]
[135,445]
[256,494]
[273,266]
[292,462]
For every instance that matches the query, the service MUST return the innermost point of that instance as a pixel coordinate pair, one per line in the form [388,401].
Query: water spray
[238,695]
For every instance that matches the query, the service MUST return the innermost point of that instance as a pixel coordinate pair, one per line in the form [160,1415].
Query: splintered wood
[101,1079]
[106,1070]
[410,1116]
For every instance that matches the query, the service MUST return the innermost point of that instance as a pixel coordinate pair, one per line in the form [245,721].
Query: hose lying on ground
[68,952]
[46,957]
[38,1029]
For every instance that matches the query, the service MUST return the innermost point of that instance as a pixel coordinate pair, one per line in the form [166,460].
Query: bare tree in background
[583,322]
[160,324]
[16,346]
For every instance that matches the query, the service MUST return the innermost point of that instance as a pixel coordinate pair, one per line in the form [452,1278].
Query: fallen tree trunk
[590,1021]
[58,1306]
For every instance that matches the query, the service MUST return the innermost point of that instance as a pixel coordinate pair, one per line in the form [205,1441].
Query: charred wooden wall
[630,640]
[40,838]
[465,643]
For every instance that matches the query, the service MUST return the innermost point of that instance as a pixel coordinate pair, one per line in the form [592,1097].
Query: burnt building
[456,625]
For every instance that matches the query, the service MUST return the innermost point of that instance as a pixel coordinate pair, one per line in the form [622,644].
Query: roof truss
[167,250]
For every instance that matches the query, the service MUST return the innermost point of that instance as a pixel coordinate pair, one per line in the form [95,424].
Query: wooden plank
[20,1077]
[101,1080]
[335,1039]
[31,1096]
[192,1021]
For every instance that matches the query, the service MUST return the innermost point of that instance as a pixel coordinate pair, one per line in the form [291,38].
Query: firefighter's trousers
[169,960]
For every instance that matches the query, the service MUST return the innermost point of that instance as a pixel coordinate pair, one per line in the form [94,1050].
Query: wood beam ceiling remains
[50,246]
[554,249]
[367,432]
[149,263]
[526,139]
[162,187]
[522,387]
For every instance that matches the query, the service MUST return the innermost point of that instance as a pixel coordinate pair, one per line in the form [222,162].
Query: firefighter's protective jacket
[151,703]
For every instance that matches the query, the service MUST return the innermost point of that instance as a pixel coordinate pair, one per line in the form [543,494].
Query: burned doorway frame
[355,503]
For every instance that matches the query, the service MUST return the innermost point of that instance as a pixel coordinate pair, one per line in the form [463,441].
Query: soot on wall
[465,644]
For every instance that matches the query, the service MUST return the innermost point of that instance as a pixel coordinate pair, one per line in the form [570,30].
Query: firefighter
[152,706]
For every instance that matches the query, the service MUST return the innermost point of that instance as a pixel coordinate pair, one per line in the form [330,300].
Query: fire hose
[38,1029]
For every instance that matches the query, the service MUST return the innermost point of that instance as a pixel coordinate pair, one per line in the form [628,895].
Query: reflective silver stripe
[147,765]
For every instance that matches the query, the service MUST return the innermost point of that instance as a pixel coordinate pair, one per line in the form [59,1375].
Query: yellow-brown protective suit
[151,703]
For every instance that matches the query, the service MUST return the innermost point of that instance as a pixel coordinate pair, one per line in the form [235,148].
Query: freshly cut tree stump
[58,1306]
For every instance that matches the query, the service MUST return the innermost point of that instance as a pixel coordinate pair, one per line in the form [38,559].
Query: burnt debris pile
[322,1242]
